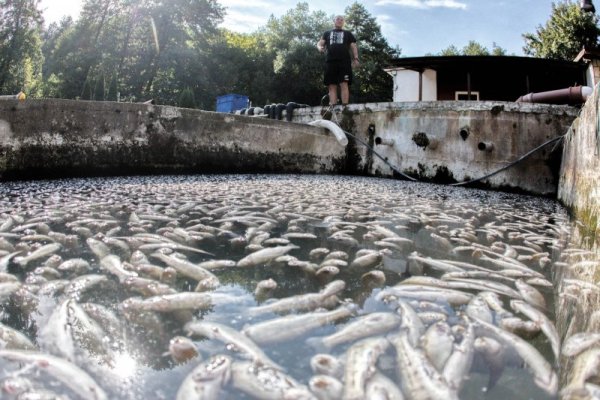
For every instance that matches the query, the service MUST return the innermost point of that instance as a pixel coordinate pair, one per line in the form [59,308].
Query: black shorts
[337,72]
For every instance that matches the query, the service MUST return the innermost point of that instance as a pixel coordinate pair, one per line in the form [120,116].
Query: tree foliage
[565,33]
[20,46]
[473,48]
[174,52]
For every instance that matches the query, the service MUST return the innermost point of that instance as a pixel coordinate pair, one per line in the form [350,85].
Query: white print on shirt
[337,37]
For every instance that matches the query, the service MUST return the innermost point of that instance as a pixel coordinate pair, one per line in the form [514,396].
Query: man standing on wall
[342,56]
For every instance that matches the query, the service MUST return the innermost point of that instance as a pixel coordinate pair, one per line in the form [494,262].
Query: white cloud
[239,21]
[424,4]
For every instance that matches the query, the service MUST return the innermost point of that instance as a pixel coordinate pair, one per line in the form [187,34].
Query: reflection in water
[277,286]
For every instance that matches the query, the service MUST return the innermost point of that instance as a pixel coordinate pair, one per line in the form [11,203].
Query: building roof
[500,63]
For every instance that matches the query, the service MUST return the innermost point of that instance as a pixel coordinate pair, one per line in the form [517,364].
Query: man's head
[338,21]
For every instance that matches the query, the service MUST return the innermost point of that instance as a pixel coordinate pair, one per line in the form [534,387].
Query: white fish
[326,387]
[232,338]
[579,342]
[302,302]
[364,326]
[44,251]
[326,364]
[544,376]
[182,349]
[531,294]
[418,378]
[262,382]
[380,387]
[292,326]
[11,338]
[206,380]
[67,373]
[112,263]
[361,358]
[265,255]
[437,343]
[459,363]
[542,320]
[188,269]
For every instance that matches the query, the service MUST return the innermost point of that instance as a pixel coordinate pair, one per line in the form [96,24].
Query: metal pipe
[384,142]
[570,95]
[19,96]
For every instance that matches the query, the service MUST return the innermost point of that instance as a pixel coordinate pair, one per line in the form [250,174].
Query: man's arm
[354,49]
[321,45]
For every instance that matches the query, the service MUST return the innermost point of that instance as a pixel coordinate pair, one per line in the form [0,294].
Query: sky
[417,27]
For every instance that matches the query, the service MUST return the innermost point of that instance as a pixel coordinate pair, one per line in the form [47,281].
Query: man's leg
[332,94]
[345,92]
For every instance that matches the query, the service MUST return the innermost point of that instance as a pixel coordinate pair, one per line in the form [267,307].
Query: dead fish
[380,387]
[182,349]
[217,264]
[544,376]
[44,251]
[206,380]
[493,354]
[437,343]
[292,326]
[522,328]
[367,261]
[112,264]
[326,387]
[67,373]
[100,249]
[326,364]
[189,269]
[265,255]
[265,288]
[459,363]
[373,279]
[422,292]
[232,339]
[302,302]
[531,294]
[579,342]
[11,338]
[266,383]
[362,327]
[5,260]
[361,358]
[171,302]
[542,321]
[418,378]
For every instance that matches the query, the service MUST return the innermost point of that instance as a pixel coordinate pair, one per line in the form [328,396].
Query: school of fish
[284,287]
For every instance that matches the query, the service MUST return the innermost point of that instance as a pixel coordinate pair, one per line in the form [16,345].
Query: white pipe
[333,128]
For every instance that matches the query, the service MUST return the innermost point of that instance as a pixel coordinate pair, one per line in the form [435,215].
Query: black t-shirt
[337,42]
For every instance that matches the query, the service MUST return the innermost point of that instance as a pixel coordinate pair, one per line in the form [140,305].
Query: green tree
[297,65]
[150,48]
[565,33]
[473,48]
[186,98]
[372,82]
[20,46]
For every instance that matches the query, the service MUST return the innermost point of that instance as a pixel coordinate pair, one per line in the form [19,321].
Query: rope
[523,157]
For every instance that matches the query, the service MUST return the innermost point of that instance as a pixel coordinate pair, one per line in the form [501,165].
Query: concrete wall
[577,272]
[579,186]
[40,138]
[439,141]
